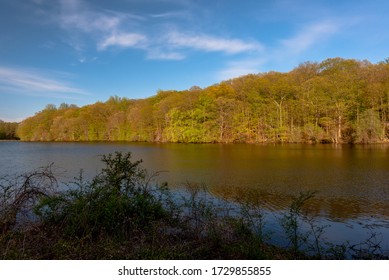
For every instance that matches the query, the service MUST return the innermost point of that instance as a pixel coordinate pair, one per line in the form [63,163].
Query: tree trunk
[339,135]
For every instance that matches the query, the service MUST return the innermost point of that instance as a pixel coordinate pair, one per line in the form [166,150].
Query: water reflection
[351,181]
[332,208]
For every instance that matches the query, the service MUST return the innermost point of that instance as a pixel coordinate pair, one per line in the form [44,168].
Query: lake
[352,181]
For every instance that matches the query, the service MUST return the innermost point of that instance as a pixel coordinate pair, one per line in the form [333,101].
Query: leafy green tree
[8,130]
[331,101]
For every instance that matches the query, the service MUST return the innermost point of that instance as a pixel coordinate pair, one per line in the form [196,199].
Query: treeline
[337,101]
[8,130]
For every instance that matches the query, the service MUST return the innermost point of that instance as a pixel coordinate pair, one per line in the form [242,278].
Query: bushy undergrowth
[116,202]
[123,214]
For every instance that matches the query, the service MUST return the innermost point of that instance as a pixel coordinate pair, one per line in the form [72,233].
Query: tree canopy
[337,100]
[8,130]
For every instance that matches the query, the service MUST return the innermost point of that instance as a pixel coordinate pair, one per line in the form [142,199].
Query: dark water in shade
[352,182]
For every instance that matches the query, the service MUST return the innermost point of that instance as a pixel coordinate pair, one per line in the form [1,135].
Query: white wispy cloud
[211,43]
[157,54]
[238,68]
[123,40]
[309,36]
[112,29]
[34,82]
[103,26]
[171,14]
[88,21]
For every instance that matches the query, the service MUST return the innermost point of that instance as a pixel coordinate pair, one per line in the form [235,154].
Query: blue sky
[83,51]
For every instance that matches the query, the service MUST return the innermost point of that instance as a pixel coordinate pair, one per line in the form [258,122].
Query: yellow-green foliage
[337,100]
[8,130]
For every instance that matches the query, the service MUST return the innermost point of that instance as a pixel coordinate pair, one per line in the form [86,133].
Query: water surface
[352,181]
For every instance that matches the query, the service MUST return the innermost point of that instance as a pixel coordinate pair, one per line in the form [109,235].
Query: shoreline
[200,143]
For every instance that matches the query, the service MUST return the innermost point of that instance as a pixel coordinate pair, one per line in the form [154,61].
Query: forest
[8,130]
[334,101]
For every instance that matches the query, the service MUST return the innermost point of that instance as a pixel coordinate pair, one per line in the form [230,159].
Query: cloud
[305,39]
[173,45]
[171,14]
[33,82]
[211,44]
[108,29]
[309,36]
[240,67]
[123,40]
[103,26]
[89,22]
[156,54]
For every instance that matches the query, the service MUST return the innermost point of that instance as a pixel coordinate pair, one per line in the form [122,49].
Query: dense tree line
[337,100]
[8,130]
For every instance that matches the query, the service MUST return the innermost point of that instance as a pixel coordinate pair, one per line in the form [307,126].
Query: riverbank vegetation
[337,100]
[122,214]
[8,130]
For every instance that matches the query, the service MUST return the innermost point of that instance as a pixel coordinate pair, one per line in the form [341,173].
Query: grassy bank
[122,214]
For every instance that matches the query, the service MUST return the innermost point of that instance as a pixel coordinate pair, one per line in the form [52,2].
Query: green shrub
[116,202]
